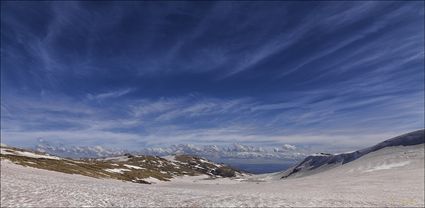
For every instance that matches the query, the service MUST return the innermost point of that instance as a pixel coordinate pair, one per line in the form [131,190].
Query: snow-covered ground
[393,176]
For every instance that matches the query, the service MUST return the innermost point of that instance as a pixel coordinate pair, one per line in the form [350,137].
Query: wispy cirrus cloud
[109,95]
[152,73]
[204,120]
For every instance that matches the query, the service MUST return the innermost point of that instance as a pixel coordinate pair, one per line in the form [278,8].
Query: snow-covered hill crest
[320,162]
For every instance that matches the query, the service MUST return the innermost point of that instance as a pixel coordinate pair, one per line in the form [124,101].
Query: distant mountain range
[75,152]
[285,152]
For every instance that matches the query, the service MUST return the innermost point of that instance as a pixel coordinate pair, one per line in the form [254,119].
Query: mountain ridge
[328,161]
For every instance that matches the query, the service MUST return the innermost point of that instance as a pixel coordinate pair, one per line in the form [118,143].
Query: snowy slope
[390,177]
[4,150]
[321,162]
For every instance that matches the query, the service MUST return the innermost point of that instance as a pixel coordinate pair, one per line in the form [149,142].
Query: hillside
[134,168]
[322,162]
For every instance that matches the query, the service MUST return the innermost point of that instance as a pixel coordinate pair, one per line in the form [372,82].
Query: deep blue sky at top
[132,74]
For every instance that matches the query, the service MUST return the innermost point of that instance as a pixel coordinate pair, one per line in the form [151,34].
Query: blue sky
[133,74]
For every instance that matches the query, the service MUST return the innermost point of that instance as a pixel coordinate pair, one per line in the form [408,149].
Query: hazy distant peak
[232,151]
[289,147]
